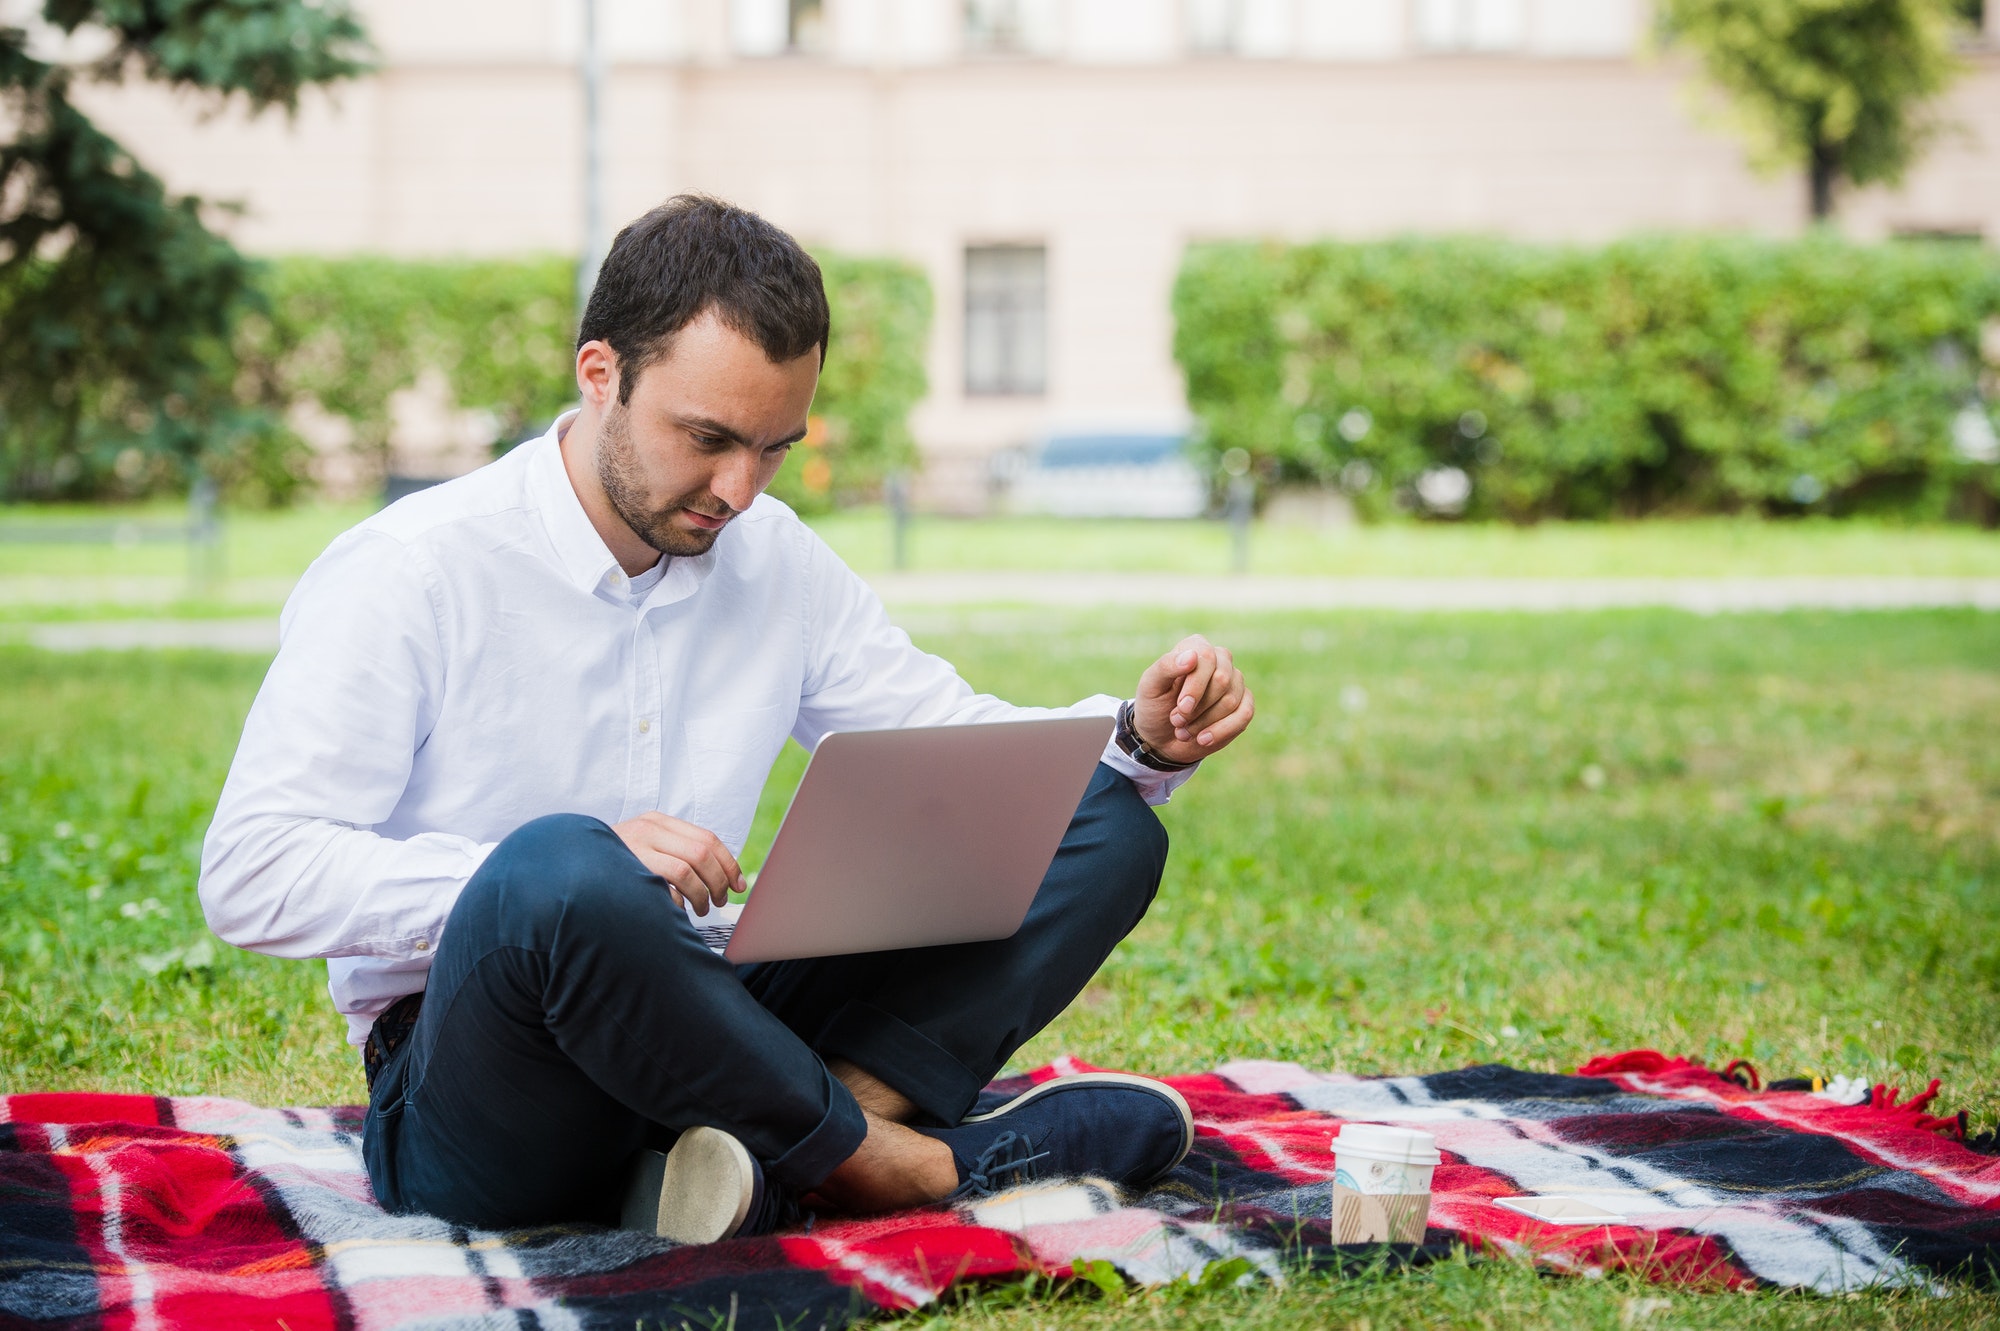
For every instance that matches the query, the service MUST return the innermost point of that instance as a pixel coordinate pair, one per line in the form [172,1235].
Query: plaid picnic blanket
[135,1211]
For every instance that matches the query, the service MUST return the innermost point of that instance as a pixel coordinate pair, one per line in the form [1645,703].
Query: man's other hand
[698,868]
[1192,702]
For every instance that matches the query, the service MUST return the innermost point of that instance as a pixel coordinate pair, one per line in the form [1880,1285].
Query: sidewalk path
[1196,592]
[253,634]
[1079,591]
[139,590]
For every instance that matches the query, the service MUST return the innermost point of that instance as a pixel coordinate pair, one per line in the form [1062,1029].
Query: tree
[1845,88]
[116,299]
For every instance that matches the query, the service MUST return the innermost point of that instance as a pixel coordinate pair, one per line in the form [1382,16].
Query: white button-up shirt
[472,658]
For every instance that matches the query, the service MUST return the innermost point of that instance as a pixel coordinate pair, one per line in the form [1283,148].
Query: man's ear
[597,373]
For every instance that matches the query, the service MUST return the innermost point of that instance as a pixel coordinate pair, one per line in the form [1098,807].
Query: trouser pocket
[382,1126]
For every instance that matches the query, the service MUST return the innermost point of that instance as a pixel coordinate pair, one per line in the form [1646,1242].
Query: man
[520,720]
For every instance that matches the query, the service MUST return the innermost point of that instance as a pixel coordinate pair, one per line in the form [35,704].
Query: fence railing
[201,532]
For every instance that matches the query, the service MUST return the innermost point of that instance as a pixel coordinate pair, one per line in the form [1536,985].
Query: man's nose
[735,482]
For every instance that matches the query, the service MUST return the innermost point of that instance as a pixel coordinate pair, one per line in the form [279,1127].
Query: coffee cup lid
[1378,1141]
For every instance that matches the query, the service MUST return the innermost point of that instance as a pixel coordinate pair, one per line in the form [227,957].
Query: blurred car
[1104,474]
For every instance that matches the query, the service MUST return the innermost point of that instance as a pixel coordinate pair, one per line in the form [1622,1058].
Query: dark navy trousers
[573,1016]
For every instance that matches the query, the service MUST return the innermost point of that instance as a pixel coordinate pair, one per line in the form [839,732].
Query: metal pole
[1237,502]
[593,158]
[1242,493]
[204,536]
[899,519]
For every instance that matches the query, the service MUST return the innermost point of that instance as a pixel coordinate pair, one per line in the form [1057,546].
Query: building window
[1472,25]
[777,27]
[994,25]
[1006,324]
[1014,27]
[805,26]
[1211,26]
[757,27]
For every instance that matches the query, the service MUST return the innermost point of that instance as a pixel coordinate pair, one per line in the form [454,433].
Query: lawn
[256,543]
[1692,548]
[263,552]
[1447,840]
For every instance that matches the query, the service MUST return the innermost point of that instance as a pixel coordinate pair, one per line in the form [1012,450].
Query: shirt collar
[580,551]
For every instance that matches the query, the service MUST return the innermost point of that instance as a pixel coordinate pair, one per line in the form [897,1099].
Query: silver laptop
[914,838]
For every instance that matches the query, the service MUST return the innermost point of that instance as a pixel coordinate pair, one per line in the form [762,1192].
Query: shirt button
[645,726]
[423,945]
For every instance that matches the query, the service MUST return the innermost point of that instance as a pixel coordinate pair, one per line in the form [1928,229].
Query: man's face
[706,429]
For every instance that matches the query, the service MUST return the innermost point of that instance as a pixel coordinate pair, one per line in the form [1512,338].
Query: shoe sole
[699,1192]
[1159,1088]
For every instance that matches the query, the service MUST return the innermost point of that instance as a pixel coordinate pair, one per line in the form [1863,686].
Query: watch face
[1128,735]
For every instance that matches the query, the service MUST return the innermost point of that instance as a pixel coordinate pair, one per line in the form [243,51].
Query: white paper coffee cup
[1382,1183]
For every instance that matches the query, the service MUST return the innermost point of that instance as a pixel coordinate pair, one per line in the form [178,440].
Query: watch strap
[1132,746]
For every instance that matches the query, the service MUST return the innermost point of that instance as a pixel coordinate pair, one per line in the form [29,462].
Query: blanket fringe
[1639,1060]
[1883,1099]
[1744,1073]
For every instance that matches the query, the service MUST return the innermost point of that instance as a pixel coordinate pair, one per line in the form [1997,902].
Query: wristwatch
[1135,748]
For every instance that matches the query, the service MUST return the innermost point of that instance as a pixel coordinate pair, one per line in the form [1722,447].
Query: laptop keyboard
[715,928]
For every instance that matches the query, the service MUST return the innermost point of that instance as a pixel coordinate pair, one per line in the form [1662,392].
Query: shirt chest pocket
[729,756]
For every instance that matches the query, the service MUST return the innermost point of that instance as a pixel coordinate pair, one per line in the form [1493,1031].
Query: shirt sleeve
[864,673]
[290,866]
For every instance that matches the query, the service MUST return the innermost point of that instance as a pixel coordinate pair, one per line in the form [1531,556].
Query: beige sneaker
[705,1189]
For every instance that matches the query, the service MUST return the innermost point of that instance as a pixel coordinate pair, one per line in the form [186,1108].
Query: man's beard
[618,473]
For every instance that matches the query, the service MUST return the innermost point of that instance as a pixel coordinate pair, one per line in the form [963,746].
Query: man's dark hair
[693,253]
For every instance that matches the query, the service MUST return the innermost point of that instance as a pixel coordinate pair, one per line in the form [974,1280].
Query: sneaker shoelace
[1008,1159]
[774,1207]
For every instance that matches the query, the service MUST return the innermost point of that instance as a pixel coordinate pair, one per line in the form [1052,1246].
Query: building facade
[1045,161]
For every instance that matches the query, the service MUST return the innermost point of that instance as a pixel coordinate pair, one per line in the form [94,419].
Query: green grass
[1487,1296]
[264,551]
[257,543]
[1709,547]
[1447,840]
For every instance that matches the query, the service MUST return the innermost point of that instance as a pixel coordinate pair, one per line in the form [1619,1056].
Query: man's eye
[778,450]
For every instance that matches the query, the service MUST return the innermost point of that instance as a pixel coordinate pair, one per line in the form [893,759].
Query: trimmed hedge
[874,375]
[1656,375]
[346,334]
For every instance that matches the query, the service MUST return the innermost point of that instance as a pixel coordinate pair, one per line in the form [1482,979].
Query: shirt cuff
[1155,787]
[420,948]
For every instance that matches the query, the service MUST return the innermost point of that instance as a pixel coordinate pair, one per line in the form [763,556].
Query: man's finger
[706,853]
[712,853]
[703,868]
[1164,675]
[1222,700]
[718,868]
[698,865]
[1191,702]
[685,884]
[1192,688]
[1229,727]
[732,871]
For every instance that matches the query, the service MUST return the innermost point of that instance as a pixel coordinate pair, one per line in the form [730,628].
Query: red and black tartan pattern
[131,1211]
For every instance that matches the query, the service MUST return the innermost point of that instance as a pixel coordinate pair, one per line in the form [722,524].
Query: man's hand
[1191,702]
[698,868]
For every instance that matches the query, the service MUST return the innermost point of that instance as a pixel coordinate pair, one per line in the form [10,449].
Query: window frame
[1021,334]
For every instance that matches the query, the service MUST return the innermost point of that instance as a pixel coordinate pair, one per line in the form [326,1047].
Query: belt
[386,1036]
